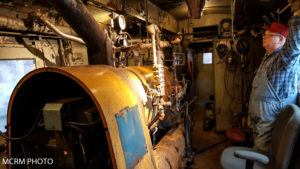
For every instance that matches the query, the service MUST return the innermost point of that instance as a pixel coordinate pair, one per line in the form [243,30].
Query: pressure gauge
[122,22]
[222,50]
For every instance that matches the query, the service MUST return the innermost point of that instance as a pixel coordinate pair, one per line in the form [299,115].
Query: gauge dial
[222,50]
[122,22]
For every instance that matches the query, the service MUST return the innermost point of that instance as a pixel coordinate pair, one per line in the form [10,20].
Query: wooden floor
[208,145]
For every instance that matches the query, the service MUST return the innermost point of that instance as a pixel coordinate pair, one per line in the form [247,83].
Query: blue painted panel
[132,135]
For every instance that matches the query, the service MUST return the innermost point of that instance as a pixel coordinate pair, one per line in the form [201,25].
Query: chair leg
[249,164]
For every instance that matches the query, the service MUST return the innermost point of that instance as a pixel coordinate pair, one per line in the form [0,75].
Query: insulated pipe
[98,43]
[13,24]
[152,30]
[159,76]
[170,150]
[157,57]
[42,18]
[138,40]
[19,25]
[140,46]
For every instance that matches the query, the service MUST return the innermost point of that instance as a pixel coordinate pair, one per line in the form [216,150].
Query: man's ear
[282,39]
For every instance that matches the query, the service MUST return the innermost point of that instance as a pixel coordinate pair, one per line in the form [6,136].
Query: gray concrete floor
[201,139]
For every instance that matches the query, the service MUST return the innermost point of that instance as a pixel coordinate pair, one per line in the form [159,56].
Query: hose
[26,135]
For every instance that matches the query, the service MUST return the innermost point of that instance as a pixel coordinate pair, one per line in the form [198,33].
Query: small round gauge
[242,46]
[222,50]
[122,22]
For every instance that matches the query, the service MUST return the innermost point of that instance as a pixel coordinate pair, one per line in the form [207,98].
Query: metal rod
[192,101]
[140,46]
[28,35]
[211,146]
[188,148]
[139,40]
[286,7]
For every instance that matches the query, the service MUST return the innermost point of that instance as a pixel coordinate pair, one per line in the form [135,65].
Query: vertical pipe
[147,22]
[188,148]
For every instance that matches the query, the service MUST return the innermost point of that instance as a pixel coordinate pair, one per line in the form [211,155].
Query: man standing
[276,82]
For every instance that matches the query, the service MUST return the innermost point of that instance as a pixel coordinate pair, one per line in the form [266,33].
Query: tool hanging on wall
[232,59]
[242,47]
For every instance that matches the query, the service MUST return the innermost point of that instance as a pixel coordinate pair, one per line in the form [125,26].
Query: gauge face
[222,50]
[226,25]
[122,22]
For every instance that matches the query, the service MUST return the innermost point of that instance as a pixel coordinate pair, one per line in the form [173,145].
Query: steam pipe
[138,40]
[98,43]
[157,57]
[188,148]
[140,46]
[15,24]
[169,151]
[42,18]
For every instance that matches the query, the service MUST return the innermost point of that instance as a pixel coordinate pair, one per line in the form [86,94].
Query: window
[207,58]
[11,72]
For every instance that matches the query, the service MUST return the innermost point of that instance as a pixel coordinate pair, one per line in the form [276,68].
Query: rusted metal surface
[170,150]
[98,43]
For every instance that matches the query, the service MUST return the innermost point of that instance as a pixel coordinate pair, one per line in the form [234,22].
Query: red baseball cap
[277,27]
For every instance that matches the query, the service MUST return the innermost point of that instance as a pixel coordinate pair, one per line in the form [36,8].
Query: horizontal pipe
[140,46]
[6,33]
[14,24]
[170,150]
[139,40]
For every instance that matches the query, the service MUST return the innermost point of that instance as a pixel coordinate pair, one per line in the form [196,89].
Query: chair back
[298,99]
[285,135]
